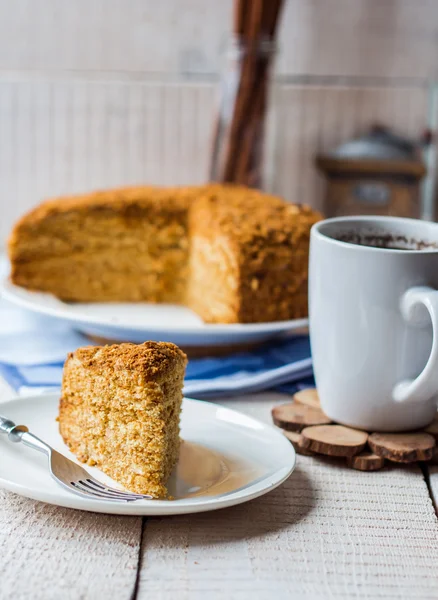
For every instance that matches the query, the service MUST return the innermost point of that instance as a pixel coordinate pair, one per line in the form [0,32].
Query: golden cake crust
[118,199]
[152,359]
[246,214]
[252,218]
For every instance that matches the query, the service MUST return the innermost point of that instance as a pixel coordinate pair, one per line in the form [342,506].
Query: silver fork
[64,471]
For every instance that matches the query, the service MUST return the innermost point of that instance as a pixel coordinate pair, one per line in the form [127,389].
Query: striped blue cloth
[33,349]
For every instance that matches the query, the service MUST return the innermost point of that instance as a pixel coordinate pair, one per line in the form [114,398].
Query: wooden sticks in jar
[237,157]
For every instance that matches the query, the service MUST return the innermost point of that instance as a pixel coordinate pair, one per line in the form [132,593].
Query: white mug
[374,321]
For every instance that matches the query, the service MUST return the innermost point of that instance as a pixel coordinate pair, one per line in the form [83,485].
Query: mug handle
[425,386]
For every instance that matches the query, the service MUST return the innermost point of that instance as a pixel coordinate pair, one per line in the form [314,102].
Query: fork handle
[7,426]
[20,433]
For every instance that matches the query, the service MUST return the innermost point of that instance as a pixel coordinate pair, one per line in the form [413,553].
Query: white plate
[138,322]
[226,458]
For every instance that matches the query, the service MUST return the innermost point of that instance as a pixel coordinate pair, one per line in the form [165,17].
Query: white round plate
[226,458]
[138,322]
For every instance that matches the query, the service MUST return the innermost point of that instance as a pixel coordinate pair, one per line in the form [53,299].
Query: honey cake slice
[120,410]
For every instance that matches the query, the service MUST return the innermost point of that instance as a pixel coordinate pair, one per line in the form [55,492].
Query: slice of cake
[120,408]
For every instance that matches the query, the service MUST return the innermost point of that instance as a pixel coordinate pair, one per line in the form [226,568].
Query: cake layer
[110,275]
[230,253]
[120,408]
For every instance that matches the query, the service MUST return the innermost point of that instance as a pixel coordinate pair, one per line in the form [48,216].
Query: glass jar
[238,143]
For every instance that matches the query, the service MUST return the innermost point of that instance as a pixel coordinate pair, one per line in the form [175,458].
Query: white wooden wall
[98,93]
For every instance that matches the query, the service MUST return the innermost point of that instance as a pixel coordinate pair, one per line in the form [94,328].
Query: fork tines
[91,487]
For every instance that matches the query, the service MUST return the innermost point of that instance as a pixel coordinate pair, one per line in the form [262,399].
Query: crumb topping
[151,358]
[253,217]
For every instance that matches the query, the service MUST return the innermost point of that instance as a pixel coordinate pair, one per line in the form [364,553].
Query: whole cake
[119,410]
[230,253]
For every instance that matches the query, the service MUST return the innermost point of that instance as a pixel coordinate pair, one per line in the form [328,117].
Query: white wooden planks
[366,38]
[47,552]
[359,38]
[169,36]
[432,471]
[329,532]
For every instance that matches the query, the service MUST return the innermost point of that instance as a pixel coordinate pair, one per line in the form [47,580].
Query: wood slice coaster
[366,461]
[333,440]
[308,397]
[295,439]
[403,447]
[363,451]
[294,416]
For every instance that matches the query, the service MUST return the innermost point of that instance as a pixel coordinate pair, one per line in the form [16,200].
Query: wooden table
[328,532]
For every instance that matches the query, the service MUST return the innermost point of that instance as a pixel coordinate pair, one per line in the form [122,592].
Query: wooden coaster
[295,439]
[308,397]
[333,440]
[294,416]
[366,461]
[403,447]
[363,451]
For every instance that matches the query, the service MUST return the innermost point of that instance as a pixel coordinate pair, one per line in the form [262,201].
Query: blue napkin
[33,349]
